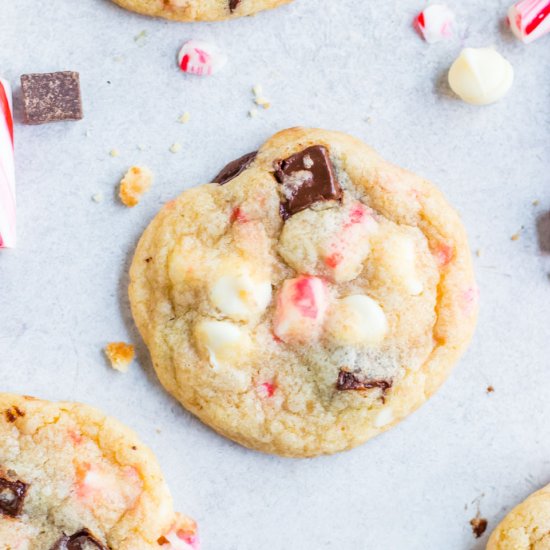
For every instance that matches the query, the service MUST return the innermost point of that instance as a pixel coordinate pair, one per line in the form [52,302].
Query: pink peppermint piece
[7,169]
[301,307]
[435,23]
[530,19]
[182,535]
[200,58]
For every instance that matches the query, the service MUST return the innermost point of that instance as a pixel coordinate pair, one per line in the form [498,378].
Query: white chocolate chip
[357,320]
[239,297]
[384,417]
[223,341]
[480,76]
[400,260]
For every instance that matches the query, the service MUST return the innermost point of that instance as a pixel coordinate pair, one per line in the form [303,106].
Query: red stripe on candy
[5,104]
[541,16]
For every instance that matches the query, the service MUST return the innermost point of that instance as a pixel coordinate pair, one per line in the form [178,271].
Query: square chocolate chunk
[51,97]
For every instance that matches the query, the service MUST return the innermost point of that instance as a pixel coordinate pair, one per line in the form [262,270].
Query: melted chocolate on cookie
[234,168]
[12,497]
[233,5]
[356,381]
[307,177]
[81,540]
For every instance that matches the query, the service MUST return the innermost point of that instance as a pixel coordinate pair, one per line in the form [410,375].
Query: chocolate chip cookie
[199,10]
[526,527]
[73,479]
[309,298]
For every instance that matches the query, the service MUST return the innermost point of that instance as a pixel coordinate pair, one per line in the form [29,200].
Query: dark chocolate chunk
[479,525]
[306,177]
[82,540]
[356,381]
[234,168]
[12,497]
[233,4]
[51,97]
[13,413]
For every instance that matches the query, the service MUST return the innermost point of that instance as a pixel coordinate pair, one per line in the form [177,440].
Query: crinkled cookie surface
[310,299]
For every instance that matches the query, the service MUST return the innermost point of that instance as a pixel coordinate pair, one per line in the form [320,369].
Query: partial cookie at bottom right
[526,527]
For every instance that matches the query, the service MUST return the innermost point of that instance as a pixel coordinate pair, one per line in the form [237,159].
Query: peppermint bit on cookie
[306,177]
[12,496]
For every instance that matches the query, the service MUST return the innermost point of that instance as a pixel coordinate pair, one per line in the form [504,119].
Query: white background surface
[321,63]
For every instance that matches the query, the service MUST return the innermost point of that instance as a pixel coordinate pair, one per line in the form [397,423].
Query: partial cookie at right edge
[526,527]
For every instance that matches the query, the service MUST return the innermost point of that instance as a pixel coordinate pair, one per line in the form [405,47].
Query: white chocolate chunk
[239,297]
[384,417]
[357,320]
[400,260]
[223,341]
[300,311]
[480,76]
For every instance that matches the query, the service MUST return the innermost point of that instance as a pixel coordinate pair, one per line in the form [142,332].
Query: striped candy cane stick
[7,169]
[530,19]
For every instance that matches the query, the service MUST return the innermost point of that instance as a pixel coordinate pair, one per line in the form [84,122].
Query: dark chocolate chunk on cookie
[51,97]
[356,381]
[234,168]
[82,540]
[12,497]
[233,5]
[307,177]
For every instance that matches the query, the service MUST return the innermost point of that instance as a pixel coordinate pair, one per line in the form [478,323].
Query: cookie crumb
[478,252]
[259,99]
[140,147]
[184,119]
[141,38]
[175,148]
[97,197]
[479,525]
[253,112]
[136,182]
[515,236]
[120,355]
[490,389]
[118,58]
[536,202]
[114,153]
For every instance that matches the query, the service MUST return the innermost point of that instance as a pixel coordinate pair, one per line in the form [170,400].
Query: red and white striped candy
[7,169]
[435,23]
[530,19]
[200,58]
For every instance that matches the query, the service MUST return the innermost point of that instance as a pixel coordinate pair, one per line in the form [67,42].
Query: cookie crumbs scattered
[253,112]
[490,389]
[136,182]
[184,119]
[536,202]
[120,355]
[97,197]
[259,99]
[118,58]
[141,38]
[114,153]
[515,236]
[175,148]
[478,252]
[479,525]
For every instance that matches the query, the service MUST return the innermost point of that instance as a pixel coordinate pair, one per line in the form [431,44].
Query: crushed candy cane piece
[7,170]
[201,58]
[530,19]
[120,355]
[136,182]
[182,535]
[435,23]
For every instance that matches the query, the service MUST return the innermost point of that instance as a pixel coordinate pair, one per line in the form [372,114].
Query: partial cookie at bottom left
[72,478]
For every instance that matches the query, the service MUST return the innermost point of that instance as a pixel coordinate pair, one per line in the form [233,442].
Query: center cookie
[310,298]
[73,479]
[199,10]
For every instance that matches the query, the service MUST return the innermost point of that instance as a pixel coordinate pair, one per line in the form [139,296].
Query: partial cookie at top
[73,479]
[199,10]
[526,527]
[310,299]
